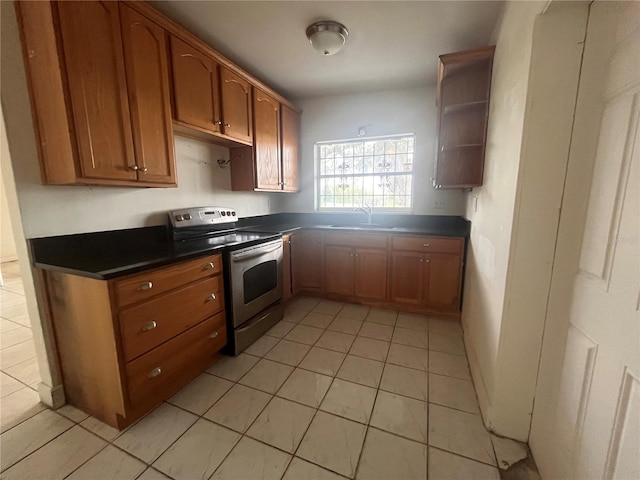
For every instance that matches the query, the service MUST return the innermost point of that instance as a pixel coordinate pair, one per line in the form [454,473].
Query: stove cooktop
[205,228]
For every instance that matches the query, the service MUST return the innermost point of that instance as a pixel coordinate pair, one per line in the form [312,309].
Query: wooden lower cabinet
[339,270]
[371,268]
[307,262]
[407,278]
[160,372]
[430,280]
[356,272]
[122,354]
[414,273]
[443,281]
[287,290]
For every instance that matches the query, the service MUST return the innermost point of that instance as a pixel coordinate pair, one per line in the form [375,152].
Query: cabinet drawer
[165,369]
[357,240]
[149,284]
[149,324]
[429,244]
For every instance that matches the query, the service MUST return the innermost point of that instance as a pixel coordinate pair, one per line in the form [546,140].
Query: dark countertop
[112,254]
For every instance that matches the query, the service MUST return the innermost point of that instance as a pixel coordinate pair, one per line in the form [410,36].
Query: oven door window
[259,280]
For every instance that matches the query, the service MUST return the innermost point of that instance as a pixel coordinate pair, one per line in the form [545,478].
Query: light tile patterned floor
[332,391]
[18,364]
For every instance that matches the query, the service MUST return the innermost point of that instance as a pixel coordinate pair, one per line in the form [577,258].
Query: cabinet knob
[351,254]
[227,125]
[155,372]
[426,244]
[214,334]
[143,169]
[427,260]
[149,326]
[209,266]
[146,286]
[217,122]
[421,260]
[133,167]
[211,297]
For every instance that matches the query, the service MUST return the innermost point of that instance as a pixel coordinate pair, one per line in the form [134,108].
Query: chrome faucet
[366,209]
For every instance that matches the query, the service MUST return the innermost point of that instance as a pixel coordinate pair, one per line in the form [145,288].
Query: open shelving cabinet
[464,83]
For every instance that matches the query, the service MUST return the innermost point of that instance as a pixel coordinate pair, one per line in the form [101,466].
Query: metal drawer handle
[146,286]
[426,244]
[211,297]
[155,372]
[149,326]
[209,266]
[214,335]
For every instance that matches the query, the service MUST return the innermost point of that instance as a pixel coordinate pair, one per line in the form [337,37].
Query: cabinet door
[145,54]
[339,270]
[286,267]
[290,148]
[94,62]
[371,274]
[407,278]
[306,261]
[266,140]
[236,106]
[195,87]
[443,276]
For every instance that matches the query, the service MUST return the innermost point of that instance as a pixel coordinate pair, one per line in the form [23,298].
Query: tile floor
[332,391]
[18,365]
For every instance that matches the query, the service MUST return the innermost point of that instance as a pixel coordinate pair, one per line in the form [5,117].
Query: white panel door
[586,423]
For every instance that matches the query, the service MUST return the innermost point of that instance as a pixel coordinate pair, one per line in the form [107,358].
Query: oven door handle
[242,257]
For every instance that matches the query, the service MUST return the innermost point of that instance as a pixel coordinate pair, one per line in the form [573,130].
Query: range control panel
[191,217]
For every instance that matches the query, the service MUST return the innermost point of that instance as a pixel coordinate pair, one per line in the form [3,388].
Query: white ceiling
[391,44]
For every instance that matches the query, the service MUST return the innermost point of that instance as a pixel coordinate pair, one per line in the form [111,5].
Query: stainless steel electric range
[252,268]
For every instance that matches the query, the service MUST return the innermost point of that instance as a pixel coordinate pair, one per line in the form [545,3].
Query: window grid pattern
[376,171]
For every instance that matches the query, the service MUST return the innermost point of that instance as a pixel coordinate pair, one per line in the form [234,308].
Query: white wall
[7,243]
[491,224]
[515,226]
[382,113]
[56,210]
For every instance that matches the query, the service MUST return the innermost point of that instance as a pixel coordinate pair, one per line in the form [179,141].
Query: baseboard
[478,380]
[52,397]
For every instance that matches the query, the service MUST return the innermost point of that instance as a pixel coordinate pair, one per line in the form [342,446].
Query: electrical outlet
[438,205]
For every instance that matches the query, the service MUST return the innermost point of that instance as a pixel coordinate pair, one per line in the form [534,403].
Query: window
[377,171]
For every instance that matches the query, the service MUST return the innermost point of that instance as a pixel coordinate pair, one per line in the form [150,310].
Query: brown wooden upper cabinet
[272,163]
[464,83]
[110,63]
[266,139]
[208,97]
[236,106]
[195,87]
[145,46]
[290,122]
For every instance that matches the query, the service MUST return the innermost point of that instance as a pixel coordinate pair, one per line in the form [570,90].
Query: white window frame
[318,176]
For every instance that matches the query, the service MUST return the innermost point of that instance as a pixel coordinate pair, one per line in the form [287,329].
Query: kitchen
[494,339]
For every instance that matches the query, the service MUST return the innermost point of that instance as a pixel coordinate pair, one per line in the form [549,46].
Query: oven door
[256,279]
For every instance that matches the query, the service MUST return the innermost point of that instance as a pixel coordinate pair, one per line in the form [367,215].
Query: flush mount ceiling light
[327,37]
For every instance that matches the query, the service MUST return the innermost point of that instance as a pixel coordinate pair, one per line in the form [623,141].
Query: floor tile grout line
[3,469]
[16,344]
[333,377]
